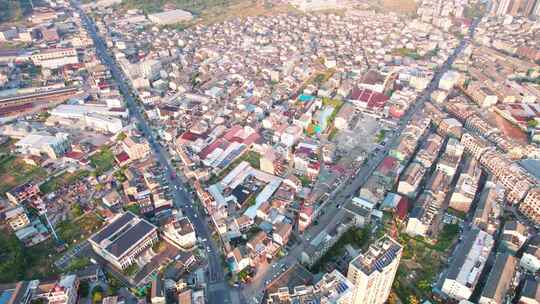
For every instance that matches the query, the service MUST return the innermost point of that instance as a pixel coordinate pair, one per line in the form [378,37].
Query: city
[270,151]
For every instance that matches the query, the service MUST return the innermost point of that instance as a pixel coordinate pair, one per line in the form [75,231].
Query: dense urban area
[270,151]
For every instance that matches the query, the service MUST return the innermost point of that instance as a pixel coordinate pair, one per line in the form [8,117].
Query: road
[332,213]
[218,290]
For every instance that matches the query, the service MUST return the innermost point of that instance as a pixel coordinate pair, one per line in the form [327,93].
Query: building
[489,209]
[170,17]
[123,239]
[16,218]
[103,122]
[467,264]
[157,294]
[423,215]
[65,291]
[55,58]
[449,80]
[466,187]
[499,280]
[372,272]
[530,260]
[530,206]
[514,235]
[180,233]
[21,293]
[530,293]
[332,288]
[344,116]
[53,146]
[22,192]
[410,179]
[317,5]
[281,234]
[136,147]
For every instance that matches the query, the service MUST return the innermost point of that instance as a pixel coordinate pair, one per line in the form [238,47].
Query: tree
[412,300]
[121,136]
[76,210]
[97,294]
[532,123]
[78,264]
[84,288]
[14,261]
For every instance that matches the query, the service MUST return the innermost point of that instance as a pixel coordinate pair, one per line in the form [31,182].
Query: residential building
[372,272]
[332,288]
[467,264]
[16,217]
[136,147]
[530,260]
[530,206]
[530,293]
[410,179]
[65,291]
[489,209]
[499,280]
[180,233]
[514,235]
[22,192]
[55,58]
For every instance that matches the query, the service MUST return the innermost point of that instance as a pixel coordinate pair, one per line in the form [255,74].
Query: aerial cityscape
[269,151]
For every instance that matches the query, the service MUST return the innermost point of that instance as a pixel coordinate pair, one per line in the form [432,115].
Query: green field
[14,171]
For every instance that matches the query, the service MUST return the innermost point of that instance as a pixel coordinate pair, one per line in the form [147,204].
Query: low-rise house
[410,179]
[514,235]
[179,232]
[530,260]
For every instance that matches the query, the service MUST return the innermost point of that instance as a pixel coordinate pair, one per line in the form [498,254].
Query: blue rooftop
[305,98]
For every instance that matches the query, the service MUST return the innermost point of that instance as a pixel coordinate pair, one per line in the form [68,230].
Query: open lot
[75,231]
[14,171]
[421,263]
[61,180]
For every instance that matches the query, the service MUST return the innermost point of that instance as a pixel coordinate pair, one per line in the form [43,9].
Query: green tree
[14,261]
[97,294]
[84,288]
[532,123]
[76,210]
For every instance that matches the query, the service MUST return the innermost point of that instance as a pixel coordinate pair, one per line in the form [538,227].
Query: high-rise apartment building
[372,272]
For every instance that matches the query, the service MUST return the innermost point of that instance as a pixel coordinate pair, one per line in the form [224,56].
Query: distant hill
[14,10]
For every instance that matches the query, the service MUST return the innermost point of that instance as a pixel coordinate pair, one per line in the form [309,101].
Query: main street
[333,214]
[218,290]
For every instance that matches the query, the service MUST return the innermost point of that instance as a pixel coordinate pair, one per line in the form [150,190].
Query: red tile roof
[371,98]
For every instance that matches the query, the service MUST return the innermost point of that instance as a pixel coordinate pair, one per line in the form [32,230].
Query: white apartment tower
[372,272]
